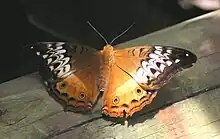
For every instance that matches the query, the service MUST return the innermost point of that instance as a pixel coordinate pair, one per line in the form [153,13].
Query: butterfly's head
[75,94]
[108,48]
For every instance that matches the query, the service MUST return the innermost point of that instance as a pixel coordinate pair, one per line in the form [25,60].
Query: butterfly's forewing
[138,73]
[70,73]
[153,66]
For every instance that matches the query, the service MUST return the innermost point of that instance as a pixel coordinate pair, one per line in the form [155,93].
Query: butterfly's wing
[70,73]
[138,73]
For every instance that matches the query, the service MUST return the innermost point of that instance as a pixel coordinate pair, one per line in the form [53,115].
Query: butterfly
[128,78]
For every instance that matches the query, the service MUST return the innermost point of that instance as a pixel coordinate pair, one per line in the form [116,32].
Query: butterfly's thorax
[106,61]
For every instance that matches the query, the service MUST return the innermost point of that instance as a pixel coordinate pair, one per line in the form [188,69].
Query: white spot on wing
[153,63]
[49,45]
[63,64]
[141,76]
[59,43]
[157,52]
[49,60]
[187,54]
[169,63]
[45,56]
[154,56]
[61,51]
[67,74]
[46,83]
[59,47]
[140,71]
[51,68]
[156,74]
[38,53]
[158,47]
[169,51]
[177,60]
[63,70]
[162,67]
[147,67]
[166,55]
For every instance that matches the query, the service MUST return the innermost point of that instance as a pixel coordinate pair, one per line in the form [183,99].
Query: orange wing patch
[124,96]
[79,91]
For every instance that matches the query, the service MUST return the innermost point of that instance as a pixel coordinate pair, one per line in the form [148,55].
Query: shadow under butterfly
[128,79]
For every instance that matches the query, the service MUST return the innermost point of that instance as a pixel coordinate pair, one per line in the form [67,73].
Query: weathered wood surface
[27,111]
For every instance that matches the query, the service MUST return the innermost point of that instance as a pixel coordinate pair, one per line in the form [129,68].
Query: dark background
[68,20]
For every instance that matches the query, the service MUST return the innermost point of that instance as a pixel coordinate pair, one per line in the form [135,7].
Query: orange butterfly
[129,78]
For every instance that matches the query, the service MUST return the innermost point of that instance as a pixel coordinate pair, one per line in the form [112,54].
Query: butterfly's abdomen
[103,78]
[106,61]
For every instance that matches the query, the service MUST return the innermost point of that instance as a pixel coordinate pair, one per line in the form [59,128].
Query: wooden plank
[194,118]
[27,111]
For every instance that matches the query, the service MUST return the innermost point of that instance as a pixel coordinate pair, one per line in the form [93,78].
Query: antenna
[97,32]
[115,37]
[122,33]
